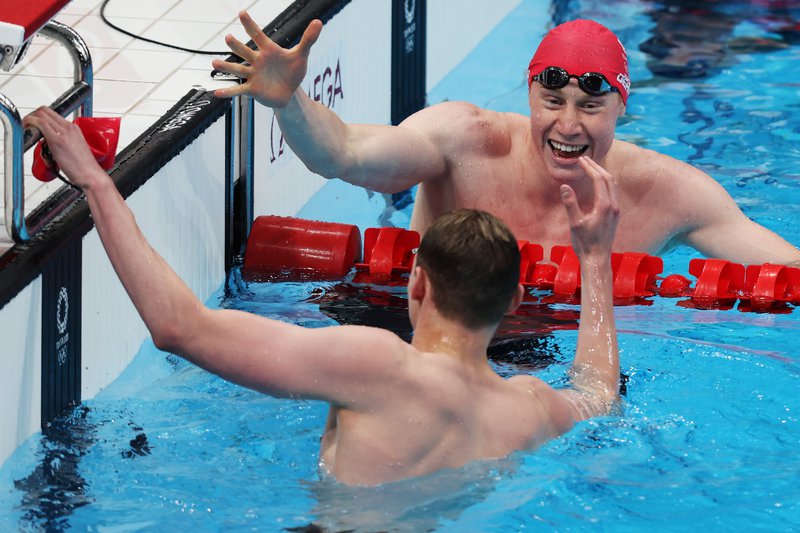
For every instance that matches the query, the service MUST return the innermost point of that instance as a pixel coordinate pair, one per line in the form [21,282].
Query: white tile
[146,9]
[4,77]
[200,62]
[35,91]
[66,18]
[262,12]
[141,65]
[98,34]
[81,7]
[117,97]
[152,108]
[190,35]
[56,61]
[208,10]
[53,61]
[217,42]
[101,56]
[37,47]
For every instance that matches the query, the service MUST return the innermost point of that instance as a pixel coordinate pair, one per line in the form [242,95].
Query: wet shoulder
[462,126]
[635,165]
[528,384]
[554,415]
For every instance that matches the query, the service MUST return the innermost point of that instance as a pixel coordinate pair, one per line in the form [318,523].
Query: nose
[569,124]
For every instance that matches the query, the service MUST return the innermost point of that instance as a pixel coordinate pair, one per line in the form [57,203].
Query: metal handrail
[77,98]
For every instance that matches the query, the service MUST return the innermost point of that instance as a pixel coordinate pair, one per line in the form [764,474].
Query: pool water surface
[708,430]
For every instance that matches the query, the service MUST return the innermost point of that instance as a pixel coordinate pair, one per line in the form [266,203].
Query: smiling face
[567,123]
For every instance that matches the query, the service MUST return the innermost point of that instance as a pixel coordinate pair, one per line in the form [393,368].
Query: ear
[519,294]
[417,284]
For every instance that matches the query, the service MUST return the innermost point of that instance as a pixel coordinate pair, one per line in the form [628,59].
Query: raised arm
[331,364]
[595,369]
[379,157]
[722,231]
[706,217]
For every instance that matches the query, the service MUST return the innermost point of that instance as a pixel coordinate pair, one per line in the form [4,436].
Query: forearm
[597,355]
[316,134]
[159,295]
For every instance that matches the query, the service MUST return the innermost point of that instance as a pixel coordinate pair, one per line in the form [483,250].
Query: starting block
[20,21]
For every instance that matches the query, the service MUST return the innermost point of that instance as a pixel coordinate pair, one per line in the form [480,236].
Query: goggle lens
[591,82]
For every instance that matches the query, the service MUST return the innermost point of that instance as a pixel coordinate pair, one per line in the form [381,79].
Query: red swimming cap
[582,46]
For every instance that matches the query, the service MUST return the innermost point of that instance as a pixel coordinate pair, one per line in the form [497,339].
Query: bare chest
[644,224]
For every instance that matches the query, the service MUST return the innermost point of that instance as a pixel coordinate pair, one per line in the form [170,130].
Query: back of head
[472,260]
[582,46]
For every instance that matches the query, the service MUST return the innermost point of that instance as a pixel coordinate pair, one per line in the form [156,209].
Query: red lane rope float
[288,248]
[772,285]
[292,248]
[388,253]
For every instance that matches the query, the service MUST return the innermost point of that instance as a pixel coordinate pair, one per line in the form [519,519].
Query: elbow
[338,166]
[178,333]
[321,169]
[167,338]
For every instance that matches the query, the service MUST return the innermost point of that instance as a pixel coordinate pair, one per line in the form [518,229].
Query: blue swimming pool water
[707,434]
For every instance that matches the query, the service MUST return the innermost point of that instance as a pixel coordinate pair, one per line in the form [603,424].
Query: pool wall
[194,180]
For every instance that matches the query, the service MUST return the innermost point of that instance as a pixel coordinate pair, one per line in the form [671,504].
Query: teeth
[567,147]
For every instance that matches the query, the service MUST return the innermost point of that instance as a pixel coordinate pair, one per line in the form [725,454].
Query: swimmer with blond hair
[510,164]
[397,409]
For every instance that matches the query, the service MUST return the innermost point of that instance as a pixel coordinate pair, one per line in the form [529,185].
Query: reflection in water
[693,39]
[56,488]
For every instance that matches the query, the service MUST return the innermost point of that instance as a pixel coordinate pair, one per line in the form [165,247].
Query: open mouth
[568,150]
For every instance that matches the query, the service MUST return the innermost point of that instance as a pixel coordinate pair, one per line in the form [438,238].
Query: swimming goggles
[592,82]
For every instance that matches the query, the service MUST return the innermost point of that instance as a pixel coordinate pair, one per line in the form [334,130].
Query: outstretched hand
[68,147]
[593,232]
[272,73]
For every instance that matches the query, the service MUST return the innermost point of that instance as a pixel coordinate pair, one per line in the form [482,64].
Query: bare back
[442,414]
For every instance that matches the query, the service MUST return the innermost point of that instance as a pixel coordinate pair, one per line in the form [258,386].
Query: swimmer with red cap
[524,169]
[586,51]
